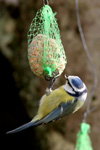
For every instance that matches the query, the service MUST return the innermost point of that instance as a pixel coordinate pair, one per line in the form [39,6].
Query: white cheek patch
[83,97]
[68,89]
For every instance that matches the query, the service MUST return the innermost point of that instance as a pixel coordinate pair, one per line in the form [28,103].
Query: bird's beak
[66,77]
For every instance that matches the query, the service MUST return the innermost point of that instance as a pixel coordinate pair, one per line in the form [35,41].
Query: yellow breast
[49,103]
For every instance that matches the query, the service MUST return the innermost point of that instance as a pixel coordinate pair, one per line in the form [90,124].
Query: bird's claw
[52,82]
[48,91]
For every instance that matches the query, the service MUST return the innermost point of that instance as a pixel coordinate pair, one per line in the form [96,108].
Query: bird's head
[75,87]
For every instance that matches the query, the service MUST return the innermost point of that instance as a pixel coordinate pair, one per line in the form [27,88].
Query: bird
[61,102]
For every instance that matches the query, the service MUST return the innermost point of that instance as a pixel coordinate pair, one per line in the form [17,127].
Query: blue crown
[77,82]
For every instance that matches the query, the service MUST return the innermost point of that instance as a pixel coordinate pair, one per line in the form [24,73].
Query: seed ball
[43,52]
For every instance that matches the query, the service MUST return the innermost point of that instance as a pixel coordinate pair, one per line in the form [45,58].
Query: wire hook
[44,3]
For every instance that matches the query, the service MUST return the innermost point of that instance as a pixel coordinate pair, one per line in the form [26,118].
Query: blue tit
[62,101]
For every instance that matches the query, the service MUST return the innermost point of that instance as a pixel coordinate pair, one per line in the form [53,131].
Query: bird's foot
[48,91]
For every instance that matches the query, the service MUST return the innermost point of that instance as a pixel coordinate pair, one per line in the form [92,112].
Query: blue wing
[62,110]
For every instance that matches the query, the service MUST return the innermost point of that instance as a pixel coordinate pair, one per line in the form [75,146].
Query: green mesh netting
[83,140]
[45,50]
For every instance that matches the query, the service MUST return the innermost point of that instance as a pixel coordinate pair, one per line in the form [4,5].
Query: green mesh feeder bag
[45,50]
[83,140]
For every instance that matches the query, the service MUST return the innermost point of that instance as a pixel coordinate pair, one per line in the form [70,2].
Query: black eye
[77,82]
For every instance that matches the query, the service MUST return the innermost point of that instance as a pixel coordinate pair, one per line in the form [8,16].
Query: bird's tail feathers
[23,127]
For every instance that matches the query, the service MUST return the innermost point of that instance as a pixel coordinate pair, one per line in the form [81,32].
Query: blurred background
[21,89]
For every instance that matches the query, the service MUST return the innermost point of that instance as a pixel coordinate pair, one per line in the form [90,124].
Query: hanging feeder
[83,140]
[45,50]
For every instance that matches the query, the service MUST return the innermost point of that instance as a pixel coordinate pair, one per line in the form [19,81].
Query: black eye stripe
[77,94]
